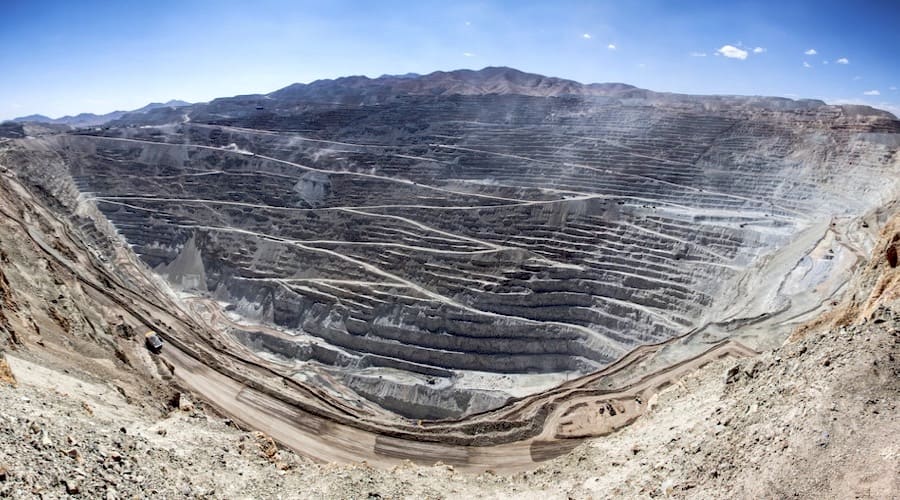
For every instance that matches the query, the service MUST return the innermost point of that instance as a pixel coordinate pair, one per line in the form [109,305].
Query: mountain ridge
[359,90]
[489,80]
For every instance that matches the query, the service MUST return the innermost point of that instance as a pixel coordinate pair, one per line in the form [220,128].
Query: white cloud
[468,23]
[811,52]
[893,87]
[857,78]
[468,54]
[871,92]
[825,62]
[611,46]
[843,60]
[698,54]
[586,36]
[732,52]
[641,65]
[807,65]
[759,50]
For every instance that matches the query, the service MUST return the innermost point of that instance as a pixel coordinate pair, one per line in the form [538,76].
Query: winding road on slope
[573,418]
[317,424]
[577,412]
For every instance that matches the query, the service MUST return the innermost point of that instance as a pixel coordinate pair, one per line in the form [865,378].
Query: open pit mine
[480,268]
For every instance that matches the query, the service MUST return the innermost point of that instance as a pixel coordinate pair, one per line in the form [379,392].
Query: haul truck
[153,342]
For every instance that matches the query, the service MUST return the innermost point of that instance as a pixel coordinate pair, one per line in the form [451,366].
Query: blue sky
[65,57]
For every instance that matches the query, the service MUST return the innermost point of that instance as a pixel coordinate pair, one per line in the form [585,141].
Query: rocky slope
[815,418]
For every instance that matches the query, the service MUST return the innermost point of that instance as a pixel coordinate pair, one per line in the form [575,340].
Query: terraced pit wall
[441,255]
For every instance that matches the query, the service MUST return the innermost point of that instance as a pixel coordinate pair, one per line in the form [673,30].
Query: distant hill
[156,105]
[34,118]
[91,119]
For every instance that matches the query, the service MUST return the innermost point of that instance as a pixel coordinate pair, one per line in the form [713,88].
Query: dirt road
[577,413]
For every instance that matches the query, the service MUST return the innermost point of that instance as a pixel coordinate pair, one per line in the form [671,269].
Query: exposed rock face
[448,231]
[186,271]
[313,188]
